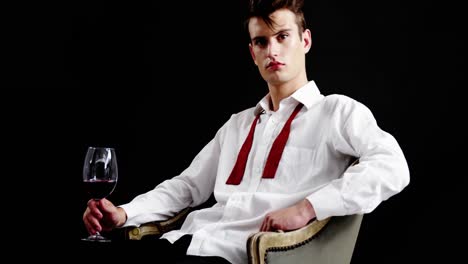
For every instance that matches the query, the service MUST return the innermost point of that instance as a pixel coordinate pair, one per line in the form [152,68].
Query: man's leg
[158,250]
[180,247]
[201,260]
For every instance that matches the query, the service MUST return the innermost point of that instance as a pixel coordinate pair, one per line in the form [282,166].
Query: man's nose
[273,49]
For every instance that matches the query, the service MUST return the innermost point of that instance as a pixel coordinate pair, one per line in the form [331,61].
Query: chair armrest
[156,228]
[260,243]
[331,240]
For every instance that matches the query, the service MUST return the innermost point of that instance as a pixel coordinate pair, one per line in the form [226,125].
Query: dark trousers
[158,250]
[178,252]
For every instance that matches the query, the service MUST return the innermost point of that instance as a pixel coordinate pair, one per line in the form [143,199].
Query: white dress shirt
[326,135]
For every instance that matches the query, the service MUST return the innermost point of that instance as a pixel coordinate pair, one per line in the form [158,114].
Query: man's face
[279,52]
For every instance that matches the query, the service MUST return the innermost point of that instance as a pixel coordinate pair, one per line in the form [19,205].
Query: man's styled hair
[264,8]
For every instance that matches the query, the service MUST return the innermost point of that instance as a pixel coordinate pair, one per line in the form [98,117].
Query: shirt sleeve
[191,188]
[382,170]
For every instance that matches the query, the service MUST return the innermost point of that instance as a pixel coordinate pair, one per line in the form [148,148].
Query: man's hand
[103,215]
[290,218]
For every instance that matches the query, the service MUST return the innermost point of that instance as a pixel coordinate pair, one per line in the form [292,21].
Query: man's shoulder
[336,101]
[342,104]
[244,113]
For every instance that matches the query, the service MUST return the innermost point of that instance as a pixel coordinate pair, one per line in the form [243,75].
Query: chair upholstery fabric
[334,244]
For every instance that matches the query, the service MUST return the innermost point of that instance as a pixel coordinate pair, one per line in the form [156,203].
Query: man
[277,165]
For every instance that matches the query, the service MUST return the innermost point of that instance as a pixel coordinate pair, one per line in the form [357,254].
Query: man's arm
[191,188]
[382,170]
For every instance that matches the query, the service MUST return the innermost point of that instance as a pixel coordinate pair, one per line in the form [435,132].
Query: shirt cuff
[131,212]
[327,202]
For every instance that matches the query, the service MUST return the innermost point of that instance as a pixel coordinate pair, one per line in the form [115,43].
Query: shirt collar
[308,95]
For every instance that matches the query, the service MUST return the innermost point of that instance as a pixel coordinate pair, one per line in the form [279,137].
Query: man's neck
[281,91]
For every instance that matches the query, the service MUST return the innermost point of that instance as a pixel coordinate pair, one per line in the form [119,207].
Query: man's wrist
[122,219]
[307,209]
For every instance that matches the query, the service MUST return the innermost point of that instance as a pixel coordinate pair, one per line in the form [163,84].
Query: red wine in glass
[100,174]
[98,189]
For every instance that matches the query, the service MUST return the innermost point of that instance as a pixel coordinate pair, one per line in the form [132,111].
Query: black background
[145,80]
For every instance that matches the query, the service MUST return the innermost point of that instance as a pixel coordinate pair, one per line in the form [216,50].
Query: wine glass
[100,175]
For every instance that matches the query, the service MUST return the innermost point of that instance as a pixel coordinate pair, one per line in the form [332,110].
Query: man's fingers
[95,225]
[91,218]
[92,224]
[92,203]
[93,208]
[275,226]
[266,224]
[106,206]
[96,212]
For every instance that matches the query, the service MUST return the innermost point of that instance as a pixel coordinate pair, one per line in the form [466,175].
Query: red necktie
[273,158]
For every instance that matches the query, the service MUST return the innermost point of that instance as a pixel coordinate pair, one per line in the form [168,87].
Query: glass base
[96,238]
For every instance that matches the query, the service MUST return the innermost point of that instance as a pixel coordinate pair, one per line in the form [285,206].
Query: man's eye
[283,36]
[260,42]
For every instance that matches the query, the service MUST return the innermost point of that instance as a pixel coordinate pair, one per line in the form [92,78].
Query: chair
[328,241]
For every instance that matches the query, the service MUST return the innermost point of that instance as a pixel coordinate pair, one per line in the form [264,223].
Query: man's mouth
[274,65]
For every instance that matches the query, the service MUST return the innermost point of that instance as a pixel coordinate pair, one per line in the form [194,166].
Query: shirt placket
[264,140]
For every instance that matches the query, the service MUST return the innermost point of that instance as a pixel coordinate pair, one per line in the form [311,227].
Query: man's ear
[307,37]
[252,53]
